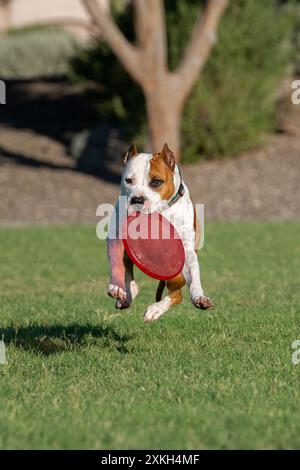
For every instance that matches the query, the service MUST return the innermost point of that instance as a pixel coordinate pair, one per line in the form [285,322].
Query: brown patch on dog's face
[162,167]
[161,177]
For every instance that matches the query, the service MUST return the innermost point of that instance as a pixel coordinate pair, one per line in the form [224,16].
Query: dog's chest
[181,215]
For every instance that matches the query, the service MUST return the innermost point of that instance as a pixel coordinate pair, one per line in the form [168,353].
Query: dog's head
[148,179]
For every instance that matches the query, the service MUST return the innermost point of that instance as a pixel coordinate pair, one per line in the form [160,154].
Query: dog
[153,182]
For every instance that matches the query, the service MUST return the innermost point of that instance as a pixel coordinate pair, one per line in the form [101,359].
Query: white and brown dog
[152,182]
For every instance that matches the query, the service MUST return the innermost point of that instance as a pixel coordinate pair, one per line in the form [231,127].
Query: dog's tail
[160,289]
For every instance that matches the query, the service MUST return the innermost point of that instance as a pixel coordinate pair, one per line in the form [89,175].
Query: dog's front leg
[116,287]
[191,272]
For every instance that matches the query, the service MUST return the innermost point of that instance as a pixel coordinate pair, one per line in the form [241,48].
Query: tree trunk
[164,118]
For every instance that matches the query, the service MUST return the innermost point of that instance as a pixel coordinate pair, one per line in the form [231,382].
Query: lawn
[80,374]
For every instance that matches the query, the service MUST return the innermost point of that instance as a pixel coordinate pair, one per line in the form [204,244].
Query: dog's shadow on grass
[46,340]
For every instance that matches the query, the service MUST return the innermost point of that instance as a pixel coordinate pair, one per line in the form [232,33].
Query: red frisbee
[154,245]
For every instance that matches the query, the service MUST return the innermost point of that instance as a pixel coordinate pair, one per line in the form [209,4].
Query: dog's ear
[168,157]
[132,152]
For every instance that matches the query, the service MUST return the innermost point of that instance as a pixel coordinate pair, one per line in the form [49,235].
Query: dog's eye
[155,183]
[128,180]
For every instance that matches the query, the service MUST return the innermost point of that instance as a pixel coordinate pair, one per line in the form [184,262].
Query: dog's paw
[154,311]
[116,292]
[134,289]
[122,305]
[202,302]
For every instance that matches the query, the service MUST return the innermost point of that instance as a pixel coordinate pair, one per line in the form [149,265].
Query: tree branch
[151,32]
[199,47]
[141,22]
[127,54]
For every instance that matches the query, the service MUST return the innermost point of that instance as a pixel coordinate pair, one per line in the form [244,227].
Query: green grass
[80,374]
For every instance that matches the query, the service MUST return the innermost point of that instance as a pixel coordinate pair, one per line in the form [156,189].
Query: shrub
[34,52]
[297,40]
[234,100]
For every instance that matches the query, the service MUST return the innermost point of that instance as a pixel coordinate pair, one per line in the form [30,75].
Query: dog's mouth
[146,208]
[136,207]
[139,204]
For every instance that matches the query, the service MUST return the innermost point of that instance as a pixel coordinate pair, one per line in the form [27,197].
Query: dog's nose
[137,200]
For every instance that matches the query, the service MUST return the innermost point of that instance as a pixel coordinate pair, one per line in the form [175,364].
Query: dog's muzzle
[137,200]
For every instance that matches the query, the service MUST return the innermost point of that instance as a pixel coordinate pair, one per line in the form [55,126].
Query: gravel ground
[260,185]
[49,190]
[39,184]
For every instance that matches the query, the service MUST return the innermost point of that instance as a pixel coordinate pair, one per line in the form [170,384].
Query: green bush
[297,40]
[34,52]
[234,100]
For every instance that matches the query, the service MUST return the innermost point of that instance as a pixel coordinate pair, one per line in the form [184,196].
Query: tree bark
[164,123]
[164,118]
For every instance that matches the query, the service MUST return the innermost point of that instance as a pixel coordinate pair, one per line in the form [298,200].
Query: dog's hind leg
[174,297]
[160,289]
[131,286]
